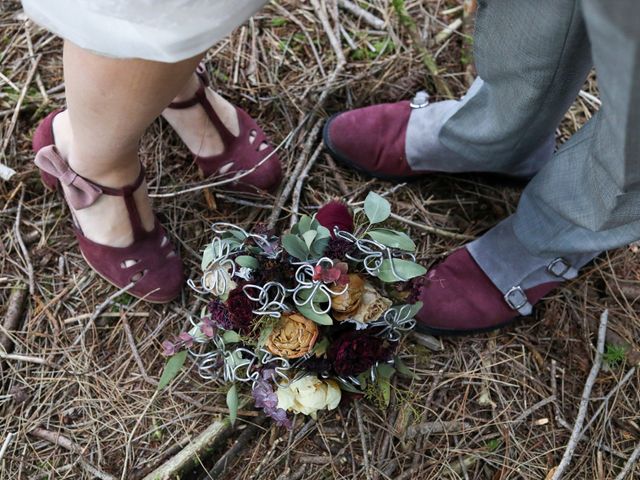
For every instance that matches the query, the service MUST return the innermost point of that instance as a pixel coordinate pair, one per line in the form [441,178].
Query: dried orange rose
[349,300]
[293,336]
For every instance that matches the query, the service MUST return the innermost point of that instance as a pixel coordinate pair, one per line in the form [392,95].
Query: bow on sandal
[245,156]
[150,263]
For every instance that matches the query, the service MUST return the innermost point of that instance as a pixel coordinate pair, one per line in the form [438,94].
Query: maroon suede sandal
[459,298]
[242,153]
[150,262]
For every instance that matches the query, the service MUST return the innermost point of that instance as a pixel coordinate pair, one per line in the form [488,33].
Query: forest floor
[78,391]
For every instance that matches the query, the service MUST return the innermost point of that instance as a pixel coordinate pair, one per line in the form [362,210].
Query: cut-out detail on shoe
[136,277]
[130,262]
[249,150]
[164,241]
[225,168]
[171,254]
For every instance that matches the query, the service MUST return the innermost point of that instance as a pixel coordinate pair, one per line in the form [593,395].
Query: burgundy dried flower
[355,351]
[220,314]
[335,214]
[338,248]
[240,309]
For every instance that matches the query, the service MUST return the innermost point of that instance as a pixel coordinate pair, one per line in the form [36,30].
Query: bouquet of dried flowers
[302,317]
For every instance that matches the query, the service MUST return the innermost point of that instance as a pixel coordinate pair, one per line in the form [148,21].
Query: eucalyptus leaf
[323,232]
[247,261]
[415,308]
[392,239]
[320,348]
[172,368]
[309,236]
[319,318]
[385,372]
[264,335]
[376,208]
[402,368]
[304,225]
[232,403]
[229,336]
[319,246]
[404,268]
[295,246]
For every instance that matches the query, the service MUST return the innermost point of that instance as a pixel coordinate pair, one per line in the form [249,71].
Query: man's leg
[585,200]
[532,58]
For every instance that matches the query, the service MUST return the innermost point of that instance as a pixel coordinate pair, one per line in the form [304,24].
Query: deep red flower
[335,214]
[220,314]
[240,309]
[355,351]
[339,248]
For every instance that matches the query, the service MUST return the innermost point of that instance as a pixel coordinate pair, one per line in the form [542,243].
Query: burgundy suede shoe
[459,298]
[372,140]
[242,157]
[150,266]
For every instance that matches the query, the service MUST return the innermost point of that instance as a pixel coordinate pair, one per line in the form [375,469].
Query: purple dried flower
[187,340]
[208,328]
[267,399]
[168,348]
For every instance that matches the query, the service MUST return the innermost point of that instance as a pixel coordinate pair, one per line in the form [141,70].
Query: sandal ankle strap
[201,73]
[82,192]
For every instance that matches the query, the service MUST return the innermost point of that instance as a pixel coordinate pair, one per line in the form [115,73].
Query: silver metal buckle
[516,298]
[420,100]
[559,267]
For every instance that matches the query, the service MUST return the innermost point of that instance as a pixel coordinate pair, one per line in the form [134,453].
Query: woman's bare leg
[110,104]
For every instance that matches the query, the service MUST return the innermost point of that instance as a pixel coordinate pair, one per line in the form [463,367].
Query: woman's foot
[117,232]
[225,141]
[103,222]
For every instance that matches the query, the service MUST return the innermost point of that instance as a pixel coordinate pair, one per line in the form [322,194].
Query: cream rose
[293,336]
[308,395]
[350,299]
[217,279]
[372,305]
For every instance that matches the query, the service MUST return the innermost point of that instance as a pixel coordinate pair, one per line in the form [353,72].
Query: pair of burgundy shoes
[150,267]
[458,297]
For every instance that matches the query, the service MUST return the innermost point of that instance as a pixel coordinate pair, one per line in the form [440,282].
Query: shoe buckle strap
[420,100]
[561,268]
[517,300]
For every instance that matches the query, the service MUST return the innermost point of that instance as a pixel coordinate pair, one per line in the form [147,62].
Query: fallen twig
[630,463]
[584,401]
[434,230]
[438,426]
[361,13]
[6,443]
[240,444]
[66,443]
[363,441]
[189,454]
[13,316]
[23,247]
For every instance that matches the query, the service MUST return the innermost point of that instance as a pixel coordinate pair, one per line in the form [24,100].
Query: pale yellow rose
[350,299]
[308,395]
[372,305]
